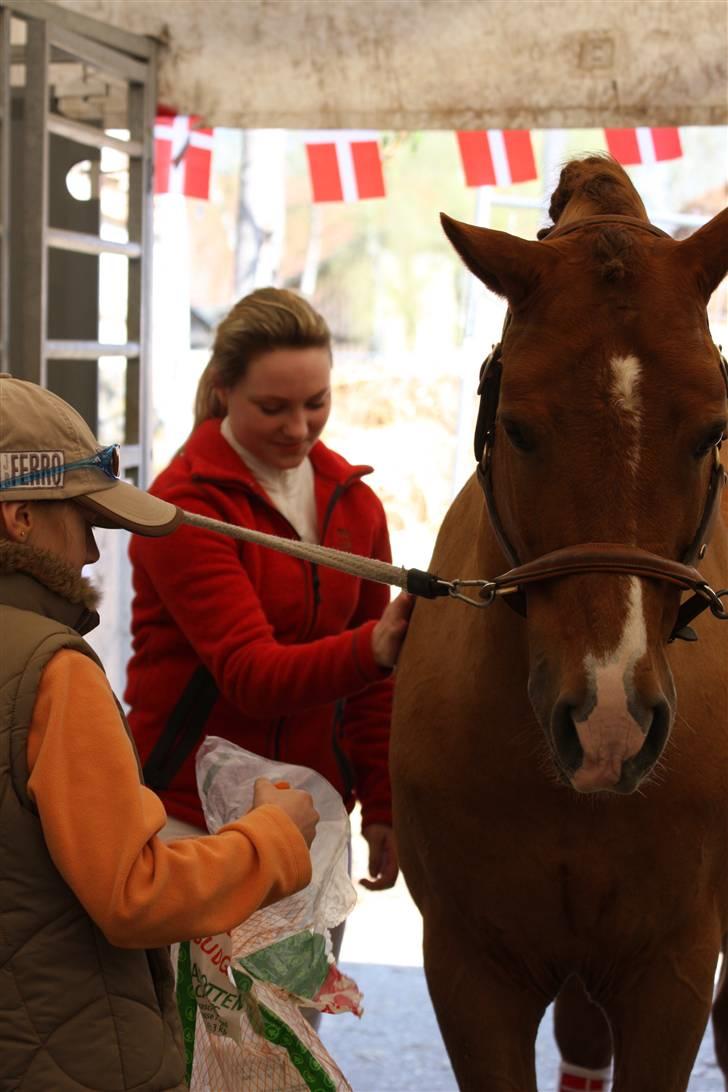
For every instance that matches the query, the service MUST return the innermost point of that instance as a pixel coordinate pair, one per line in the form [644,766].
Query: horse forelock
[614,251]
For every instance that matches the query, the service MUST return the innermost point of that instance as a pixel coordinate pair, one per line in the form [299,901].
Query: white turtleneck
[291,491]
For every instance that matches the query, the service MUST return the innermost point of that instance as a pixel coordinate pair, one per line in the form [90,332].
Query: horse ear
[706,253]
[507,265]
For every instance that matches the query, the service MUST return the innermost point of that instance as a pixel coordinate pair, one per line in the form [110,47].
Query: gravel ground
[396,1046]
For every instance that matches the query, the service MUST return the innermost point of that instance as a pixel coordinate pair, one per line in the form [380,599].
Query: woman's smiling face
[279,408]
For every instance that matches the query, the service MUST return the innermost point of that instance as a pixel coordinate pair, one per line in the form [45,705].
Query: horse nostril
[655,740]
[566,741]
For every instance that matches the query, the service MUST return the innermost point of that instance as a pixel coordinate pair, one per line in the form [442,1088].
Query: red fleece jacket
[287,643]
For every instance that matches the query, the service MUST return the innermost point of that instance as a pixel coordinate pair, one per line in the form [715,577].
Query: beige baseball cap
[48,452]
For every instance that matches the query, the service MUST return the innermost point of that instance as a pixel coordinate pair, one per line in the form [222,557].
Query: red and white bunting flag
[497,157]
[643,145]
[182,156]
[344,165]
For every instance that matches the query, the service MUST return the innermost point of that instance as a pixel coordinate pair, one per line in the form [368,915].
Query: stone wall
[435,64]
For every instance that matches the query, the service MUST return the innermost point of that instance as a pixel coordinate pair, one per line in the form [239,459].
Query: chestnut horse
[560,769]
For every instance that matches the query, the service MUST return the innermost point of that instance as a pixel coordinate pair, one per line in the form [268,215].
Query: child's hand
[297,804]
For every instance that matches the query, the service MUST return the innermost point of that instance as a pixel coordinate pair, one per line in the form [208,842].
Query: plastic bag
[240,994]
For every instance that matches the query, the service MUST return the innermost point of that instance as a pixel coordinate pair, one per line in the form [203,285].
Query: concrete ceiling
[435,64]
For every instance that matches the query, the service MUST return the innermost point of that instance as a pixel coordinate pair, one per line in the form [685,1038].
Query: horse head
[611,407]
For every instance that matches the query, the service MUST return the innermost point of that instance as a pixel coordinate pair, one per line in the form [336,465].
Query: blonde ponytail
[207,400]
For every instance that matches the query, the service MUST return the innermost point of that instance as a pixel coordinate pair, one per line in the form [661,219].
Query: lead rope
[414,581]
[427,585]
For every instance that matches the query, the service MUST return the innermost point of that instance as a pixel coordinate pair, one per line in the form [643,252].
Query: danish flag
[643,145]
[344,165]
[182,156]
[497,157]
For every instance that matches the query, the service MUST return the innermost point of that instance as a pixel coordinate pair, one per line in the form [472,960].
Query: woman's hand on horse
[297,804]
[391,629]
[383,861]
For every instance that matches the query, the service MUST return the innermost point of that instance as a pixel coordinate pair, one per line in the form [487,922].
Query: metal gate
[72,90]
[77,105]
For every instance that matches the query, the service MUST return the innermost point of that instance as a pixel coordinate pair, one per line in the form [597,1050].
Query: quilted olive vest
[76,1013]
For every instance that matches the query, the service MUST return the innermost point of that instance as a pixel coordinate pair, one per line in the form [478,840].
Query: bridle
[591,557]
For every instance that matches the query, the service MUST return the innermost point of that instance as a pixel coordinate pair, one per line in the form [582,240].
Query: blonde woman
[285,658]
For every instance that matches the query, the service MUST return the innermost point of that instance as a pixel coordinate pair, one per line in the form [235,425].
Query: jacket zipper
[277,737]
[342,761]
[334,499]
[341,758]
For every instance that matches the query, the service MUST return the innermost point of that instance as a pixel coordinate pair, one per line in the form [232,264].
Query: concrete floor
[396,1046]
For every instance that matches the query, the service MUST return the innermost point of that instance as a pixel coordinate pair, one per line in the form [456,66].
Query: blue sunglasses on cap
[108,461]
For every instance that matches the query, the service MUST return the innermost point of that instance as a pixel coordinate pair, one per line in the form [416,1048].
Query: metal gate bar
[34,305]
[4,186]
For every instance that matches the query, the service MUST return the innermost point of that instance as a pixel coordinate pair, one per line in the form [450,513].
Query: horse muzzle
[609,746]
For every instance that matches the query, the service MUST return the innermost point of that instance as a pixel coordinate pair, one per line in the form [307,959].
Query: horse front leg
[488,1021]
[581,1030]
[720,1016]
[659,1018]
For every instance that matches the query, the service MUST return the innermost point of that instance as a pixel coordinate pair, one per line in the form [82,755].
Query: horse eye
[517,436]
[714,439]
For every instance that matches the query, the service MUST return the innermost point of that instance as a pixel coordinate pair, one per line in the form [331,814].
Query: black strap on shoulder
[183,730]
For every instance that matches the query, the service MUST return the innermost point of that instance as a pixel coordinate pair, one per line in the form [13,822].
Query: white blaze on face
[625,395]
[610,735]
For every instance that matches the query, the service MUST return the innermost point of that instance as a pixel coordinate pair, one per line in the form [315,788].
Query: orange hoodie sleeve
[101,824]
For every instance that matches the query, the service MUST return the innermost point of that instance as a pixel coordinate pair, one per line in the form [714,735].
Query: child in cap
[90,895]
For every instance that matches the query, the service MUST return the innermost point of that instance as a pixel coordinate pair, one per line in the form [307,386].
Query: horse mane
[598,186]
